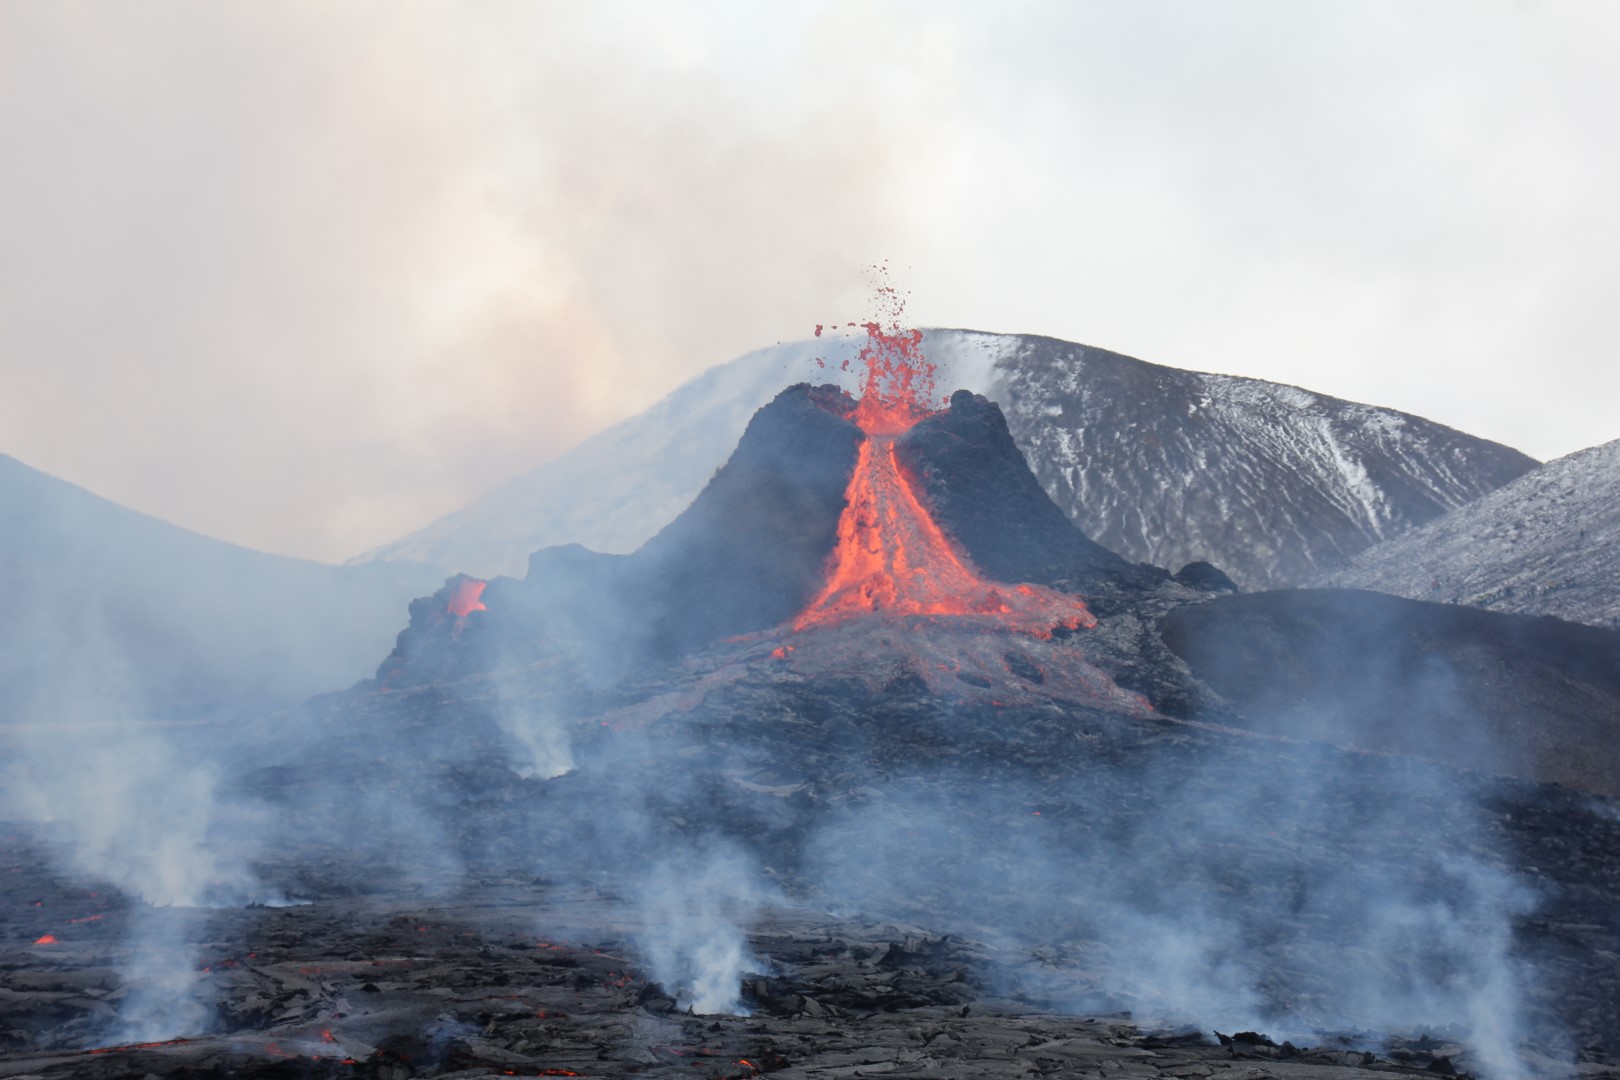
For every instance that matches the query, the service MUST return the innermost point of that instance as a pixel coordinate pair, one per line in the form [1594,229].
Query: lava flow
[891,555]
[466,598]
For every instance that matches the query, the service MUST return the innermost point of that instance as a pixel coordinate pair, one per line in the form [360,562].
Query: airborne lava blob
[891,555]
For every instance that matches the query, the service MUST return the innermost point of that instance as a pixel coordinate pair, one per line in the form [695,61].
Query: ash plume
[123,800]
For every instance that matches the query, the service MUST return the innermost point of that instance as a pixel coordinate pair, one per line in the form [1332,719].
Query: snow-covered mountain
[1269,482]
[1546,544]
[116,613]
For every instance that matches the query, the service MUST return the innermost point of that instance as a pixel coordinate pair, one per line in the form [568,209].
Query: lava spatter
[897,381]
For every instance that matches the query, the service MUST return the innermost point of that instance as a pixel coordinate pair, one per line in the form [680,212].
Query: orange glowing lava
[465,600]
[135,1046]
[48,939]
[897,386]
[891,556]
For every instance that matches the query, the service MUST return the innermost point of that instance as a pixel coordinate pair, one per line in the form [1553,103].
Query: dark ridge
[981,490]
[1205,578]
[1525,696]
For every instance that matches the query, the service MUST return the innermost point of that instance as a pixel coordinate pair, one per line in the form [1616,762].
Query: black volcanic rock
[980,489]
[1083,840]
[1511,694]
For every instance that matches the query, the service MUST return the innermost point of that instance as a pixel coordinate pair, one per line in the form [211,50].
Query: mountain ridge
[1546,544]
[1271,483]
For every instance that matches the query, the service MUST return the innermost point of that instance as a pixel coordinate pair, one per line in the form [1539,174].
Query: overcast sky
[305,277]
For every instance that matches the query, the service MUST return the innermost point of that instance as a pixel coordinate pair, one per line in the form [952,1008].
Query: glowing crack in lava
[466,598]
[891,555]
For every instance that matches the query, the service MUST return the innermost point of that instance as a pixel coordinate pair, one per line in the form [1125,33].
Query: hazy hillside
[112,609]
[1546,544]
[1270,482]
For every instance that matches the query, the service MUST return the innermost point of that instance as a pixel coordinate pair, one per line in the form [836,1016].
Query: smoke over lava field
[869,762]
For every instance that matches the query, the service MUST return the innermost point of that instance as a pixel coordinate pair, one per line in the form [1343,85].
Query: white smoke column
[1483,990]
[163,995]
[541,735]
[695,912]
[126,808]
[132,801]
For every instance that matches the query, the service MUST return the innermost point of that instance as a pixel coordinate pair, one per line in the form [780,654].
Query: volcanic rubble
[945,848]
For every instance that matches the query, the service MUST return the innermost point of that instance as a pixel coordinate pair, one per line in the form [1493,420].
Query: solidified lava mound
[1513,694]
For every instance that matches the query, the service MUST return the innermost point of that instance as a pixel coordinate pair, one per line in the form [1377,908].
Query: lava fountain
[891,556]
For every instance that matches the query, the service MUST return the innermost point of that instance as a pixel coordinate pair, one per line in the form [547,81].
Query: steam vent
[871,762]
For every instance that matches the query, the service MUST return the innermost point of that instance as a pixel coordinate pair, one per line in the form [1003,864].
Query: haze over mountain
[131,613]
[1546,544]
[1269,482]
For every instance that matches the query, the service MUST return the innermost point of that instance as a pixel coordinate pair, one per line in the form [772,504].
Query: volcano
[872,760]
[851,536]
[831,508]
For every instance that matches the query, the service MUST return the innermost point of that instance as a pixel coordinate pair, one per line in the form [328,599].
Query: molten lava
[891,555]
[465,600]
[135,1046]
[897,387]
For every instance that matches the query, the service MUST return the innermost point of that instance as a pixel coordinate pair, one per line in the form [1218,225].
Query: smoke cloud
[307,277]
[1294,897]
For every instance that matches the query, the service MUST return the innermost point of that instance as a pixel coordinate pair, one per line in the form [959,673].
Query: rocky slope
[1269,482]
[1509,694]
[115,610]
[1546,544]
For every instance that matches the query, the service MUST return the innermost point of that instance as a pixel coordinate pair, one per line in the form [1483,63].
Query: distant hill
[111,609]
[1269,482]
[1546,544]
